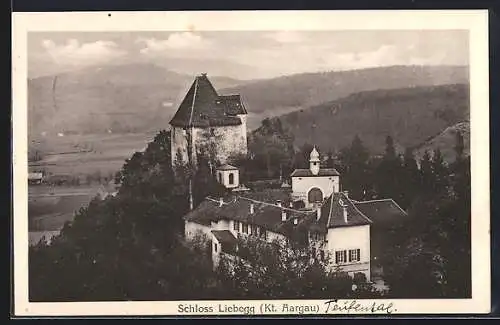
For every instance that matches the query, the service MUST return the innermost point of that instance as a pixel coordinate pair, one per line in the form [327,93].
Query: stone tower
[207,123]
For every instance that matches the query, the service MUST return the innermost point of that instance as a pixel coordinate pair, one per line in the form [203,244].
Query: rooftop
[385,211]
[322,172]
[203,107]
[226,239]
[266,213]
[226,167]
[332,215]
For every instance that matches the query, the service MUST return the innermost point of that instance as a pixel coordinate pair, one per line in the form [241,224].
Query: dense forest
[130,247]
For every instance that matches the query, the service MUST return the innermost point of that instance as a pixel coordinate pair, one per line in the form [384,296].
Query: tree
[410,179]
[271,147]
[389,173]
[459,145]
[121,248]
[302,156]
[276,270]
[440,171]
[355,169]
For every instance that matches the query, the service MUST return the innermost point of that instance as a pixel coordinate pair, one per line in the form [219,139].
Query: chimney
[346,193]
[291,204]
[344,212]
[221,201]
[295,221]
[278,203]
[318,213]
[283,215]
[251,208]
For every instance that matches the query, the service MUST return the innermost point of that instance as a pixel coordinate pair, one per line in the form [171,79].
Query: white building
[336,226]
[313,185]
[228,176]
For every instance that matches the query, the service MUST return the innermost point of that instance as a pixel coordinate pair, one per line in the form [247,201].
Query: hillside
[143,97]
[279,96]
[410,115]
[121,98]
[446,140]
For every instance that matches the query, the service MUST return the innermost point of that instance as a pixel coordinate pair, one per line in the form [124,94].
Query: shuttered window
[340,257]
[354,255]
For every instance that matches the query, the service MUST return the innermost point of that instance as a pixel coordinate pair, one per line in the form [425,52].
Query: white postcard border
[476,21]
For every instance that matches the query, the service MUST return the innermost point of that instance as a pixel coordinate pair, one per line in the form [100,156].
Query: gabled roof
[322,172]
[266,214]
[203,107]
[385,211]
[232,104]
[332,214]
[226,239]
[226,167]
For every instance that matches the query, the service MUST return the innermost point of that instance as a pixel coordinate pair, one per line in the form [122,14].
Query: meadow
[50,207]
[87,154]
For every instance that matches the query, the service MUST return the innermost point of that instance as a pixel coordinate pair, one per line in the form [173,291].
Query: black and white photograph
[208,167]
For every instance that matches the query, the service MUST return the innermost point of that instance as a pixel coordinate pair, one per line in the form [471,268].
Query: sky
[243,54]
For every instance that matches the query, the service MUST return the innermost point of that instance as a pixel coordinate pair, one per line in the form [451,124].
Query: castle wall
[178,141]
[227,140]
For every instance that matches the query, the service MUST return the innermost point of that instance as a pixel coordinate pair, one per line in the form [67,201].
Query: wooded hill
[412,116]
[143,97]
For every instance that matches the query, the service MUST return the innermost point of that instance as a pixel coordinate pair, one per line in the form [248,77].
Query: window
[354,255]
[220,177]
[316,236]
[215,247]
[245,228]
[340,257]
[315,195]
[236,225]
[231,178]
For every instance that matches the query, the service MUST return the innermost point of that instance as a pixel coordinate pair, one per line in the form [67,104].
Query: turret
[314,161]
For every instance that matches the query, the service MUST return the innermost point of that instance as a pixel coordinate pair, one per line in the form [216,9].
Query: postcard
[236,163]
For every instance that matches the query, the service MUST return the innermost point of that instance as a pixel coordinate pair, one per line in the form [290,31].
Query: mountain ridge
[143,97]
[411,116]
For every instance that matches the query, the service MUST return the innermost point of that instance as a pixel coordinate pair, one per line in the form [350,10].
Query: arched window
[315,195]
[231,178]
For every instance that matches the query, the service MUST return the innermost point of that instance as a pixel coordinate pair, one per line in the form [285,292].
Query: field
[49,209]
[87,154]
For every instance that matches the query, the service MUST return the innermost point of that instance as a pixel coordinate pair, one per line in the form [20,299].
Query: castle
[208,123]
[350,231]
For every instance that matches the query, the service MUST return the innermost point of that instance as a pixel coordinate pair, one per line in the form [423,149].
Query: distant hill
[121,98]
[281,95]
[445,141]
[411,116]
[143,97]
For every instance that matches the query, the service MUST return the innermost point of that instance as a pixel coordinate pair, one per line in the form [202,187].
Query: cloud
[75,53]
[285,37]
[175,41]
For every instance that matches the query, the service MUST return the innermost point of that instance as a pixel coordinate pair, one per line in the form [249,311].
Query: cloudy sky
[246,55]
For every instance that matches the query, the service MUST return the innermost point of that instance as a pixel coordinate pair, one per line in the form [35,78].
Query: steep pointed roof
[203,107]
